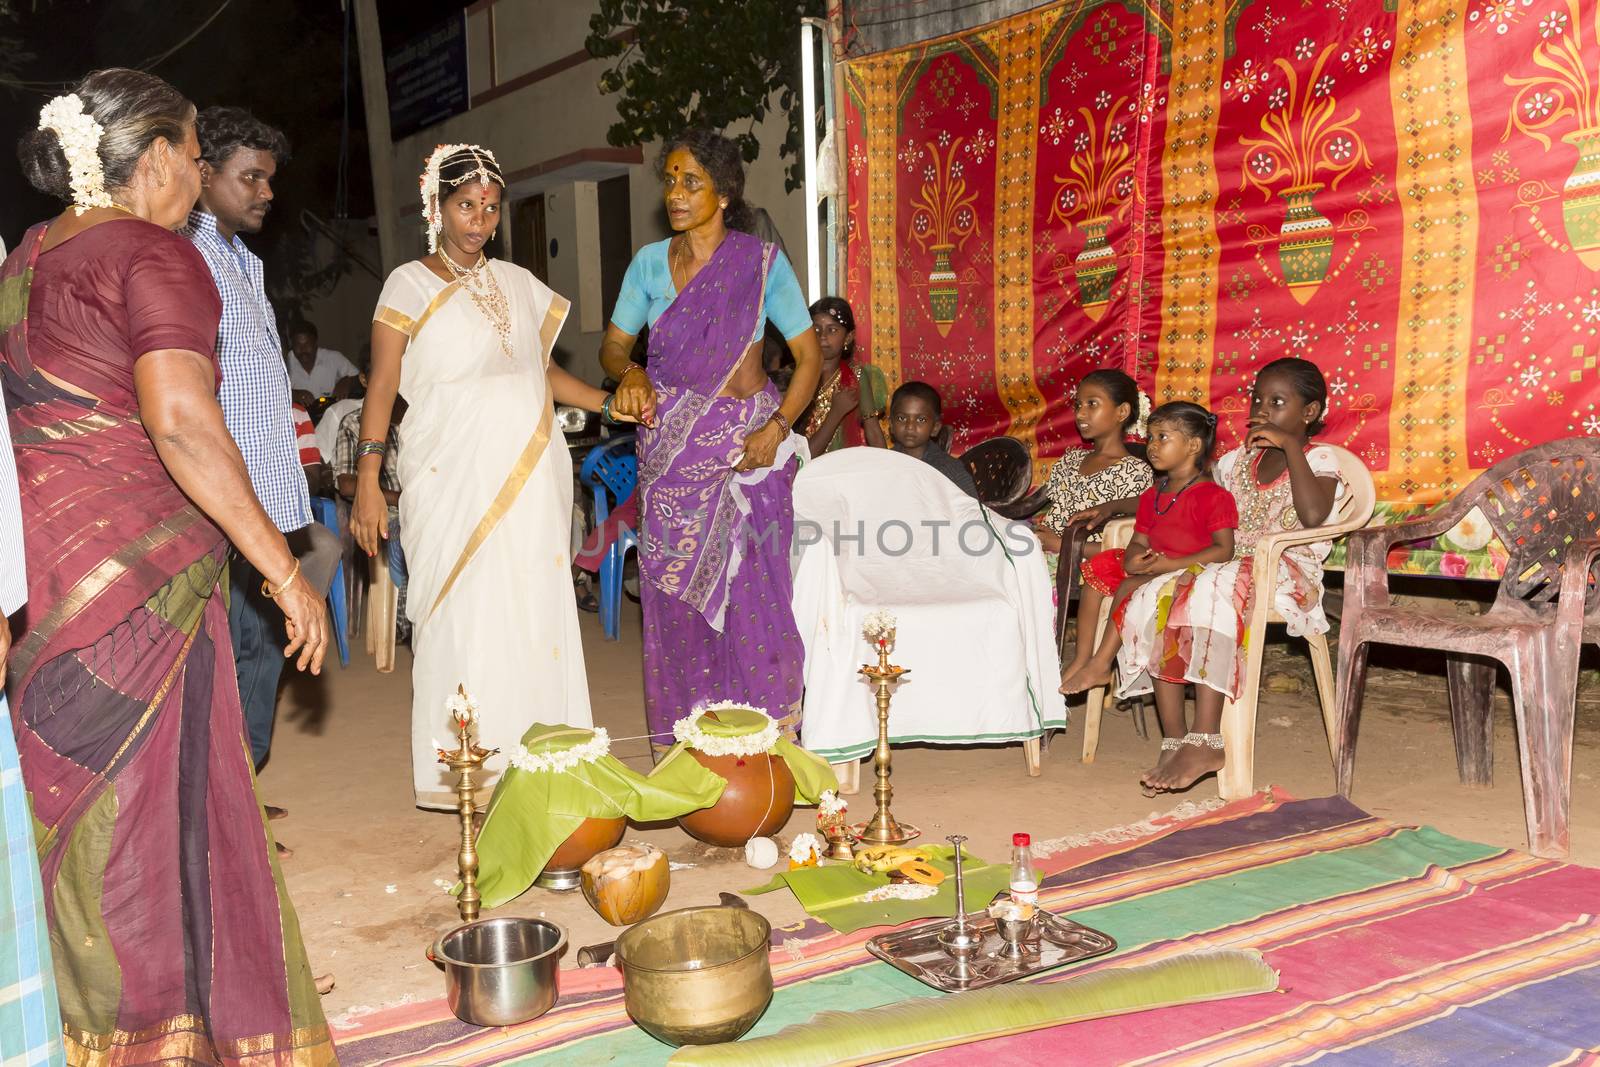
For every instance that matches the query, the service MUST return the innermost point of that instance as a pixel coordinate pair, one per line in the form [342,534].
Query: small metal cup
[1016,936]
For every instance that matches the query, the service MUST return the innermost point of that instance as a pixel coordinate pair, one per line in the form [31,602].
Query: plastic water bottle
[1024,884]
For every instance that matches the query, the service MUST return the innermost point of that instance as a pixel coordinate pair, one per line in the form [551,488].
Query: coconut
[627,883]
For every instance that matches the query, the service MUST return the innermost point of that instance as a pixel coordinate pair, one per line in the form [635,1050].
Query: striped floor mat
[1396,945]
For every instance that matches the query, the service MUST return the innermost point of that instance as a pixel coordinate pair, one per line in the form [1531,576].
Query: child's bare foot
[1069,670]
[1169,746]
[1091,675]
[1197,756]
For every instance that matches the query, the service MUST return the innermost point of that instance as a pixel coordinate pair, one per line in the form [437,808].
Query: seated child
[1184,520]
[1087,486]
[914,423]
[1279,481]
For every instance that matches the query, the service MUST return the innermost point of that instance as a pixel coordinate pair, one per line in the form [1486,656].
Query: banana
[880,859]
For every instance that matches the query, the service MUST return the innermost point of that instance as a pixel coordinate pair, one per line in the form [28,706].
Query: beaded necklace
[478,281]
[1174,501]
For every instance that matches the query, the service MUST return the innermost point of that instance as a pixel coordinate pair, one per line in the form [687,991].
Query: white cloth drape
[877,530]
[506,627]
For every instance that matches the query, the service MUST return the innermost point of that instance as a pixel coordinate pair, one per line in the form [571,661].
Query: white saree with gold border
[485,518]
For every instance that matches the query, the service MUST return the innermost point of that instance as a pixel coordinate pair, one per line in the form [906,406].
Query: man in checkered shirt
[239,155]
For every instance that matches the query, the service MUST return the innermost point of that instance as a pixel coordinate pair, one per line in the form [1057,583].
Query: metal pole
[808,107]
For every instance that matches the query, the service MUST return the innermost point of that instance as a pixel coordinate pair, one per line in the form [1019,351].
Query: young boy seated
[914,426]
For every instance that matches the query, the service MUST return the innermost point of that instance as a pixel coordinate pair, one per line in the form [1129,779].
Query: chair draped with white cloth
[877,530]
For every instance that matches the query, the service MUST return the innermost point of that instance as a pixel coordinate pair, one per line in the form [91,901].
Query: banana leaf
[833,893]
[878,1034]
[812,774]
[532,813]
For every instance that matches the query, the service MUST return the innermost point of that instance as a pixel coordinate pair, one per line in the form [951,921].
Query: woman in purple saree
[717,453]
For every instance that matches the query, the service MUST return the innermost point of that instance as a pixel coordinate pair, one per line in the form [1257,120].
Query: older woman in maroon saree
[173,937]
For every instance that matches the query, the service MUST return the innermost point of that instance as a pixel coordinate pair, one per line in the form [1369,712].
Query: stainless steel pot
[500,971]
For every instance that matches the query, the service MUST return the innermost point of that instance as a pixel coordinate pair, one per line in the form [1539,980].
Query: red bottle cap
[1021,839]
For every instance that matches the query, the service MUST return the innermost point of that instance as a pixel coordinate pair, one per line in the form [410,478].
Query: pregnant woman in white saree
[485,476]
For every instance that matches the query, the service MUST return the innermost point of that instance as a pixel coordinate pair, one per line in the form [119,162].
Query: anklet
[1206,740]
[1170,744]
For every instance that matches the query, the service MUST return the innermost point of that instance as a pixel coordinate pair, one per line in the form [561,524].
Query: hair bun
[44,164]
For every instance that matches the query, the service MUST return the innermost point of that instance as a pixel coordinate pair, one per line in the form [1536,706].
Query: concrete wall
[550,137]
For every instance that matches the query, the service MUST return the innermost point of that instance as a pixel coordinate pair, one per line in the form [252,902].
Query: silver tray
[1058,941]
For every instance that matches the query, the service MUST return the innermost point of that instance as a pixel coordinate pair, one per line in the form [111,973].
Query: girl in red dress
[1185,520]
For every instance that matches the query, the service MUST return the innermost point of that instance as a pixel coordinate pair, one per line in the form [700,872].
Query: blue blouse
[647,291]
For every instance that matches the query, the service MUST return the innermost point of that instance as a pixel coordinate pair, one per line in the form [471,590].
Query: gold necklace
[478,281]
[821,407]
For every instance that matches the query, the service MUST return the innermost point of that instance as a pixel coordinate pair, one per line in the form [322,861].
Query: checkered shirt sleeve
[255,381]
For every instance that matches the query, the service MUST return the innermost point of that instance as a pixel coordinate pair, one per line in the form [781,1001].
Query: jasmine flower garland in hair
[1141,425]
[79,136]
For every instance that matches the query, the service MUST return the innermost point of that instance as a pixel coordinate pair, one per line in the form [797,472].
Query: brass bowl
[697,976]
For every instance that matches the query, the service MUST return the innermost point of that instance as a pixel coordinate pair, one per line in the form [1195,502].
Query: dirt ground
[368,871]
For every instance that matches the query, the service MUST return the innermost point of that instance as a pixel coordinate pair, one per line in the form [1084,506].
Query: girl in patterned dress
[1087,486]
[1280,482]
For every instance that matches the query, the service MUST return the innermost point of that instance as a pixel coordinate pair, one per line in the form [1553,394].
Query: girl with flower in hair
[1189,629]
[853,399]
[487,500]
[1089,486]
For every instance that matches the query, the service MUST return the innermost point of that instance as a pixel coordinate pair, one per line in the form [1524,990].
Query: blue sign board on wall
[427,77]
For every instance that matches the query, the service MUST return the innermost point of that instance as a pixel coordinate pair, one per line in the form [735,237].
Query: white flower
[462,708]
[1591,311]
[807,848]
[1080,143]
[560,762]
[687,730]
[79,136]
[878,626]
[1324,85]
[1338,386]
[1277,98]
[1531,377]
[1591,426]
[1553,25]
[1102,99]
[1118,132]
[831,803]
[1263,163]
[1539,105]
[1304,48]
[1340,148]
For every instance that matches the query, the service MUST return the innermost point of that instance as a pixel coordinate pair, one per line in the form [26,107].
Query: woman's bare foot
[1195,758]
[1169,747]
[1091,675]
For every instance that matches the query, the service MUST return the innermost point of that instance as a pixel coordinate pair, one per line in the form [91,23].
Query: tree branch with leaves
[681,63]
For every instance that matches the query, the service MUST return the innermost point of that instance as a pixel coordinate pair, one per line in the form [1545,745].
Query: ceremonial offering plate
[919,952]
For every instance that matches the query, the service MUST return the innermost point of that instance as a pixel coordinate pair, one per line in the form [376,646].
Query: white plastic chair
[1352,511]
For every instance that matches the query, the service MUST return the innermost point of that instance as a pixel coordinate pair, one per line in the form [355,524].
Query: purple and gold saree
[714,544]
[172,934]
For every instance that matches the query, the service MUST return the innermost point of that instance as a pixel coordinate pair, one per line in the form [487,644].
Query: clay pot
[624,885]
[756,803]
[591,836]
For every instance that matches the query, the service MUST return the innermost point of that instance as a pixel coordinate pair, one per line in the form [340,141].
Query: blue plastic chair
[612,469]
[326,512]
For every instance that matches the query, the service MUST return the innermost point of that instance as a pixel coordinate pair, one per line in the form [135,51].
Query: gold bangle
[632,366]
[273,594]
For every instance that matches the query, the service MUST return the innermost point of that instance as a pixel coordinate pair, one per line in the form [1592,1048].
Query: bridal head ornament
[453,165]
[79,136]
